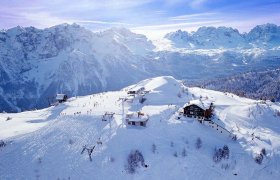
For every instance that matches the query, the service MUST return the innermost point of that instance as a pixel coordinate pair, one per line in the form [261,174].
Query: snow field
[47,144]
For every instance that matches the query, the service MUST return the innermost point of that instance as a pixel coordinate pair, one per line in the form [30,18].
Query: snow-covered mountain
[35,64]
[242,143]
[208,38]
[267,36]
[262,36]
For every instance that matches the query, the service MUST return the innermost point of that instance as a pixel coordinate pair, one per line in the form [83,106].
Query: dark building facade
[196,111]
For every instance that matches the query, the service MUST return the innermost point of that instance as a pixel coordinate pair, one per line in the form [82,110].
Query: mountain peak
[67,25]
[15,30]
[267,26]
[124,32]
[266,35]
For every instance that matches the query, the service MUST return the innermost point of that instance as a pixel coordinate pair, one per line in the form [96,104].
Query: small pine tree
[198,143]
[220,154]
[225,152]
[263,151]
[234,137]
[2,143]
[259,159]
[184,152]
[154,148]
[179,95]
[111,159]
[8,118]
[175,154]
[134,160]
[172,144]
[217,157]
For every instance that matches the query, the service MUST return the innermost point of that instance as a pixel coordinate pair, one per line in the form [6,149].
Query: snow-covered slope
[47,144]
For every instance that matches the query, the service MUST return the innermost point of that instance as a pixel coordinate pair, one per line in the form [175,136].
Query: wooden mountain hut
[198,109]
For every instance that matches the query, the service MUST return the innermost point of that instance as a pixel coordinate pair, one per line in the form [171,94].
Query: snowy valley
[57,142]
[36,64]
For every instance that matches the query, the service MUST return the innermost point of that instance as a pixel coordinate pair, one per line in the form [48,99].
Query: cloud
[158,31]
[206,15]
[194,4]
[197,3]
[49,20]
[43,14]
[43,19]
[101,22]
[178,25]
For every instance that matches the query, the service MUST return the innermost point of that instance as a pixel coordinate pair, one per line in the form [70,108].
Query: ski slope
[47,143]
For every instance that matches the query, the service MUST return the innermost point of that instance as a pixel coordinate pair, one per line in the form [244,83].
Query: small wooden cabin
[137,119]
[61,98]
[135,91]
[198,109]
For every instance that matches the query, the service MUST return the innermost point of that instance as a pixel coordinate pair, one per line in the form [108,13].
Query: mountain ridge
[263,36]
[35,64]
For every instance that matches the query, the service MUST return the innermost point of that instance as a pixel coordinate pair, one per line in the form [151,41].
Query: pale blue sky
[144,16]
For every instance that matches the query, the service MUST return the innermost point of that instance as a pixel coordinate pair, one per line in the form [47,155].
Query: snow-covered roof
[203,104]
[129,97]
[134,117]
[137,88]
[60,96]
